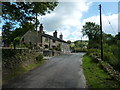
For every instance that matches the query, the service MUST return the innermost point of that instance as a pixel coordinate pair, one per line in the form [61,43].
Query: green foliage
[51,49]
[16,40]
[26,11]
[76,50]
[110,58]
[6,33]
[69,41]
[22,14]
[92,31]
[78,46]
[111,55]
[72,45]
[27,45]
[39,58]
[109,39]
[93,44]
[58,48]
[20,31]
[95,52]
[118,45]
[96,77]
[111,50]
[118,36]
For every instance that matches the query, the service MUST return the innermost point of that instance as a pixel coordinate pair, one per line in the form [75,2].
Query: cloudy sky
[69,17]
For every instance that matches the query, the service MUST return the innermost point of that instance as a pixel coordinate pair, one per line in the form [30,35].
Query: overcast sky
[69,17]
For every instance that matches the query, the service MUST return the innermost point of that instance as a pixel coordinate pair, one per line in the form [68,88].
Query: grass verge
[17,72]
[95,76]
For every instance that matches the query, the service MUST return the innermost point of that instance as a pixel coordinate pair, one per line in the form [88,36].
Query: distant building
[46,41]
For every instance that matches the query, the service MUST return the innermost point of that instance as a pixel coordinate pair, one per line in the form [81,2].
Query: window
[46,39]
[53,41]
[53,47]
[22,39]
[46,46]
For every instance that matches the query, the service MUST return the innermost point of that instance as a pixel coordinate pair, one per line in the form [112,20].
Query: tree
[6,33]
[93,32]
[22,14]
[118,36]
[109,39]
[69,41]
[26,11]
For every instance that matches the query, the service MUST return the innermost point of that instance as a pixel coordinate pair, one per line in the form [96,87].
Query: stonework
[46,41]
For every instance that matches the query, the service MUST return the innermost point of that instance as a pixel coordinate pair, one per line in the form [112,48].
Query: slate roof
[45,35]
[54,38]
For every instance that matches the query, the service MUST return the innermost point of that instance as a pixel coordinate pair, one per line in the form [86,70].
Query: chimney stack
[55,34]
[41,28]
[61,36]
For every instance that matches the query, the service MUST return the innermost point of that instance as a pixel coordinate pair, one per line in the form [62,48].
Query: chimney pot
[55,34]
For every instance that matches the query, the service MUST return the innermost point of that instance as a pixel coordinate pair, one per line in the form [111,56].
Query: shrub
[111,59]
[39,58]
[27,45]
[17,39]
[51,49]
[111,55]
[95,52]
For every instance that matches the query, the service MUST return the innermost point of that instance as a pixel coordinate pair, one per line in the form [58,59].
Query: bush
[95,52]
[111,55]
[39,58]
[51,49]
[111,59]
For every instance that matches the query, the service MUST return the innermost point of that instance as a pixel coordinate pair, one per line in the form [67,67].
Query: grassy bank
[96,77]
[20,71]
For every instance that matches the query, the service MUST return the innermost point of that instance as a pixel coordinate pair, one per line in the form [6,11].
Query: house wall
[35,37]
[45,41]
[65,48]
[30,36]
[39,37]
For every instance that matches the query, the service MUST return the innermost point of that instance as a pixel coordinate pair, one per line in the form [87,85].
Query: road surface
[63,71]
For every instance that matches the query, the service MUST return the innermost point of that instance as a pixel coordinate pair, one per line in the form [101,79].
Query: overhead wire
[109,22]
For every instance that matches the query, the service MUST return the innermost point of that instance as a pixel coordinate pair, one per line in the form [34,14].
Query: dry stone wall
[107,67]
[13,59]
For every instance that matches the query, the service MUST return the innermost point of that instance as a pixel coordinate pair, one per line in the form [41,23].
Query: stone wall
[13,59]
[107,68]
[51,53]
[47,53]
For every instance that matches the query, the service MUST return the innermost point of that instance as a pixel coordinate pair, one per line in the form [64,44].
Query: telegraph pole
[101,43]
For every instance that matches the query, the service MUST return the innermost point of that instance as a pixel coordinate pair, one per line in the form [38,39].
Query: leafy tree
[23,13]
[69,41]
[6,33]
[16,41]
[26,11]
[118,36]
[111,50]
[108,39]
[93,32]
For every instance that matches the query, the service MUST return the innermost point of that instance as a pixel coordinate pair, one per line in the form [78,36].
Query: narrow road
[63,71]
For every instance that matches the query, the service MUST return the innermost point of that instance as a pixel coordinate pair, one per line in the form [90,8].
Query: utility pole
[101,33]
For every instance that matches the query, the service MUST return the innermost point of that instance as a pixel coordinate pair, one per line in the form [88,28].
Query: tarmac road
[63,71]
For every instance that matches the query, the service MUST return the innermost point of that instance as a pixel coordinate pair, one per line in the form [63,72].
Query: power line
[109,22]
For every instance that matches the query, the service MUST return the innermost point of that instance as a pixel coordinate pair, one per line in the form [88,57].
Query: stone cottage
[45,41]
